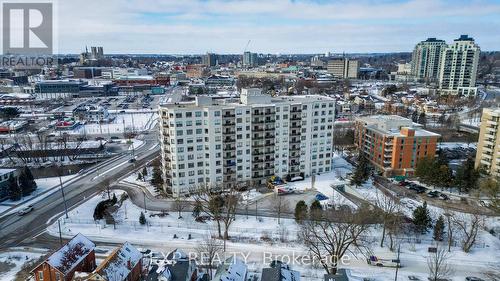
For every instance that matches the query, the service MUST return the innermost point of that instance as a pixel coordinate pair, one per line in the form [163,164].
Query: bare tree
[280,206]
[439,267]
[329,238]
[208,199]
[208,250]
[179,205]
[468,226]
[389,208]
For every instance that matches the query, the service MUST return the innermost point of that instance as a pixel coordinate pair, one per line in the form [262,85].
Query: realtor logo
[27,28]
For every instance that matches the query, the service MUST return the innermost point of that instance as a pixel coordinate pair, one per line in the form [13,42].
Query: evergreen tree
[439,229]
[467,176]
[142,219]
[13,189]
[157,179]
[315,209]
[26,181]
[361,173]
[197,209]
[144,172]
[414,116]
[300,211]
[421,219]
[139,176]
[422,119]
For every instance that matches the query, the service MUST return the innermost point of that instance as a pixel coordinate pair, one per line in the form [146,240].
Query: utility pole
[62,191]
[399,262]
[144,193]
[60,235]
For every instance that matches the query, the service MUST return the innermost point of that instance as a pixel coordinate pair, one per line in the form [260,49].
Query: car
[433,194]
[25,210]
[403,183]
[472,278]
[444,197]
[413,278]
[132,160]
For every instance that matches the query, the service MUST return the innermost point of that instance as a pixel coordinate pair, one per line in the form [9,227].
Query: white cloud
[190,26]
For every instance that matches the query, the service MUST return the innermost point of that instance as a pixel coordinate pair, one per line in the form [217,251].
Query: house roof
[70,255]
[232,269]
[116,266]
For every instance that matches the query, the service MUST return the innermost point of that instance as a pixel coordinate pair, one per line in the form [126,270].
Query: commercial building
[250,59]
[224,141]
[459,64]
[488,148]
[393,144]
[426,59]
[5,175]
[209,59]
[343,68]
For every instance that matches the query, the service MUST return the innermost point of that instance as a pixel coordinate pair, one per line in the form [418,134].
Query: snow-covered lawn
[251,234]
[144,182]
[14,261]
[455,145]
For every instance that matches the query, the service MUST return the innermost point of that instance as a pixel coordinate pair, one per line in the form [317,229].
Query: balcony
[229,140]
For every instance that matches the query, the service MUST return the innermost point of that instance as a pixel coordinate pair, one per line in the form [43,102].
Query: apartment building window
[198,122]
[216,113]
[191,173]
[180,149]
[189,123]
[205,114]
[178,115]
[180,141]
[200,172]
[197,114]
[178,124]
[181,166]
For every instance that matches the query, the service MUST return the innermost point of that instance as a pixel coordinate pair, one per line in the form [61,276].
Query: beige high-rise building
[426,59]
[343,68]
[488,146]
[459,63]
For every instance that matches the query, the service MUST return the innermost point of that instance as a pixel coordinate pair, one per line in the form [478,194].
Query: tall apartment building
[343,68]
[209,59]
[426,59]
[488,146]
[394,144]
[250,59]
[247,140]
[459,64]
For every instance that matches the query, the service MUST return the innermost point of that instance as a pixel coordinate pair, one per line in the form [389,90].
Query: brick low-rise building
[393,144]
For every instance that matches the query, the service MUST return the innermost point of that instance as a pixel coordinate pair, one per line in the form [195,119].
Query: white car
[25,210]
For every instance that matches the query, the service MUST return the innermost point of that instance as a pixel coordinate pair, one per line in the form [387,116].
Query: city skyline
[280,26]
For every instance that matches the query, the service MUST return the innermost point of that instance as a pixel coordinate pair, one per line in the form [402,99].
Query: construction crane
[246,47]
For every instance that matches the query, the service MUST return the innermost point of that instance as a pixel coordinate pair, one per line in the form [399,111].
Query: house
[232,269]
[176,267]
[342,275]
[123,264]
[91,113]
[77,255]
[279,272]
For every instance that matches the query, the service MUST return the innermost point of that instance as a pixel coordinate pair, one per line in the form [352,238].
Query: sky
[273,26]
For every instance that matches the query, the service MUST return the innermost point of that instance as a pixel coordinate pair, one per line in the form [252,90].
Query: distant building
[426,59]
[209,59]
[91,113]
[488,146]
[343,68]
[177,266]
[87,72]
[77,255]
[459,65]
[250,59]
[394,144]
[92,57]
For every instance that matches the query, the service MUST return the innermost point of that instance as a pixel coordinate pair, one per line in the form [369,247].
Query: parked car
[472,278]
[433,194]
[403,183]
[444,197]
[25,210]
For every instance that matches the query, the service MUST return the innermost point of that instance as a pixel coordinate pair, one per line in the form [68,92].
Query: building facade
[250,59]
[459,65]
[247,140]
[343,68]
[426,59]
[393,144]
[209,59]
[488,147]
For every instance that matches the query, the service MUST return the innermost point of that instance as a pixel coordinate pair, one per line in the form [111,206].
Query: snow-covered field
[15,261]
[137,121]
[252,235]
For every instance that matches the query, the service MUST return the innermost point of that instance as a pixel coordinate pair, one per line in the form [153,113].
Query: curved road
[15,229]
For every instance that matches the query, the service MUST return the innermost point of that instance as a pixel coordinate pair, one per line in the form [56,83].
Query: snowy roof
[280,273]
[233,269]
[71,254]
[119,264]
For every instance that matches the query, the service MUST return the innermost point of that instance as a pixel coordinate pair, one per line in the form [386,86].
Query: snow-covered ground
[137,121]
[250,234]
[144,182]
[45,187]
[455,145]
[15,261]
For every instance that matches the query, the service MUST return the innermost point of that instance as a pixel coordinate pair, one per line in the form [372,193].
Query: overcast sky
[273,26]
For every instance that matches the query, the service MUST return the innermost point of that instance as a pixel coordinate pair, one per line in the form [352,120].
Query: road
[15,229]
